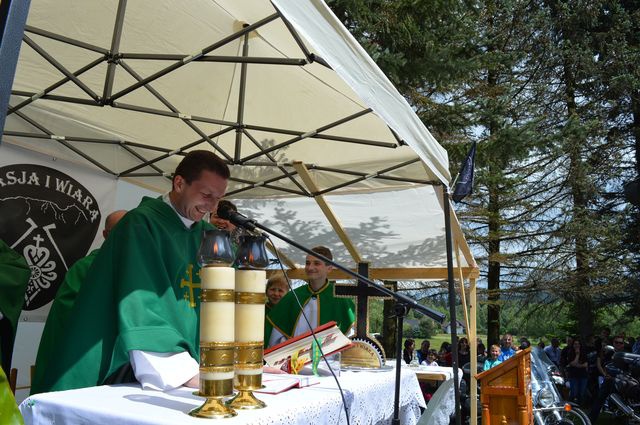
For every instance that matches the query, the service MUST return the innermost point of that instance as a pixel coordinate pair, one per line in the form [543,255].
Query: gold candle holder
[249,314]
[217,345]
[248,375]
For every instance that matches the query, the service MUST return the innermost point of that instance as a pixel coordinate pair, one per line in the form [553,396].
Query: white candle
[249,326]
[217,321]
[217,277]
[249,322]
[251,280]
[210,376]
[256,371]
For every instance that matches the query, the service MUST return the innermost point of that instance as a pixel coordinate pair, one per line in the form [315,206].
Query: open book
[275,384]
[329,336]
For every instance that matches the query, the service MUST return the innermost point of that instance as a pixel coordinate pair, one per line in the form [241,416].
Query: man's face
[316,269]
[194,200]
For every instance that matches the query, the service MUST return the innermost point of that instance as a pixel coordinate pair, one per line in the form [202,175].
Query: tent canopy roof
[278,89]
[131,89]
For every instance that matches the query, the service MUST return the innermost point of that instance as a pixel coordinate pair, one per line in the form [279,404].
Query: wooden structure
[506,392]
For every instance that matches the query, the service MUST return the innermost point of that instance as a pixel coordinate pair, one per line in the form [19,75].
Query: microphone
[227,213]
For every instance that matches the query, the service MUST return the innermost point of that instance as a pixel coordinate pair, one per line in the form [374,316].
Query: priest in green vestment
[137,311]
[65,298]
[14,277]
[319,304]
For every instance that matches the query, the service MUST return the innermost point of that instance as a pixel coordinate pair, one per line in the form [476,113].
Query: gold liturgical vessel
[217,327]
[249,320]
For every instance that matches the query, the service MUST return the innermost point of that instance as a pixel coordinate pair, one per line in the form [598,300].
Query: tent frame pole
[308,134]
[186,60]
[115,47]
[452,301]
[241,100]
[308,180]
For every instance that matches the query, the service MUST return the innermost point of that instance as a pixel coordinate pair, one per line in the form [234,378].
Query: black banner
[49,218]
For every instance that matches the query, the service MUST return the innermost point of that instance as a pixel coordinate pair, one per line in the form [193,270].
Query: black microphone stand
[403,305]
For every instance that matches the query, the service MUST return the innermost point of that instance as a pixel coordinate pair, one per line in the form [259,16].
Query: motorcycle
[624,399]
[548,406]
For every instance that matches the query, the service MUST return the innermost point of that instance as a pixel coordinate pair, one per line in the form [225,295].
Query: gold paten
[362,353]
[217,295]
[251,298]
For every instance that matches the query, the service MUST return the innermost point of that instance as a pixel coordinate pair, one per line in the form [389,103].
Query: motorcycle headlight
[544,398]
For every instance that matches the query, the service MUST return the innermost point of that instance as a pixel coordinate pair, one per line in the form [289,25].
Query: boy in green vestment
[285,319]
[136,317]
[14,277]
[65,298]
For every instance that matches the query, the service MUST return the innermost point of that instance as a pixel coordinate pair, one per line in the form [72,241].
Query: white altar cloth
[369,397]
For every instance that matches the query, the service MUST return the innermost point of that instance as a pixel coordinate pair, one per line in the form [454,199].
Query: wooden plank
[463,295]
[308,181]
[397,273]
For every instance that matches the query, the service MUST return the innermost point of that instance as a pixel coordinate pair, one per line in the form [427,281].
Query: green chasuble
[138,295]
[56,320]
[285,315]
[14,277]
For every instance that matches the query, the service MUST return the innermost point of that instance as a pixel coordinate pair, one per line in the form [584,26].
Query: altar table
[368,395]
[434,373]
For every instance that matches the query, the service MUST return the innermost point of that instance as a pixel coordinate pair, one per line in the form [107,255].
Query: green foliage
[550,90]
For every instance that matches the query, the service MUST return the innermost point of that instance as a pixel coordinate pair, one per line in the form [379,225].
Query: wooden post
[473,347]
[389,322]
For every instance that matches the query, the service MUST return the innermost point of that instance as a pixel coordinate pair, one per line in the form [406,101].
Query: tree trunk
[493,272]
[389,323]
[583,303]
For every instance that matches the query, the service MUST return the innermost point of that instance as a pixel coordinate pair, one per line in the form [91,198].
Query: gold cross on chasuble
[191,285]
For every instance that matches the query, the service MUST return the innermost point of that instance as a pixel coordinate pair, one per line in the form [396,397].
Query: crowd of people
[581,362]
[442,357]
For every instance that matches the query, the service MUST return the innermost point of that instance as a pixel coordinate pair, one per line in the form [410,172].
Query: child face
[432,357]
[276,292]
[495,352]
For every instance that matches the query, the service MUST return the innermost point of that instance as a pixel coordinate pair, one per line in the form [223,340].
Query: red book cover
[329,336]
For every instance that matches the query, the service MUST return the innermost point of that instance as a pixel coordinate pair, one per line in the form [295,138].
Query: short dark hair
[196,161]
[324,251]
[223,203]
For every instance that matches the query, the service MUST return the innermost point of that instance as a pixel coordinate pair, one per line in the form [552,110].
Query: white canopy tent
[280,90]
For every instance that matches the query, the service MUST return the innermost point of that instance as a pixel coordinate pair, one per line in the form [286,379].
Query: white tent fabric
[287,112]
[390,229]
[129,90]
